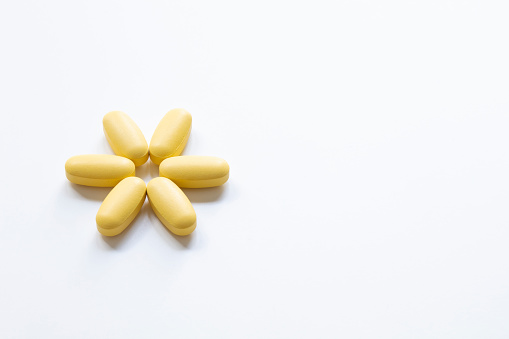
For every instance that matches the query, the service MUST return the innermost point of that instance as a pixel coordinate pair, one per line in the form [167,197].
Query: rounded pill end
[140,160]
[183,231]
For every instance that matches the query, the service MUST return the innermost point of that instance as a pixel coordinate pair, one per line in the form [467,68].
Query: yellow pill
[170,136]
[125,137]
[195,171]
[121,206]
[99,170]
[171,206]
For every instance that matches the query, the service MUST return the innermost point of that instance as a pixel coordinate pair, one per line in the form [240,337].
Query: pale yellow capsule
[125,137]
[121,206]
[170,136]
[99,170]
[195,171]
[171,206]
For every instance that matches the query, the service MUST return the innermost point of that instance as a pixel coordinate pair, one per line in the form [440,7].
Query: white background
[369,187]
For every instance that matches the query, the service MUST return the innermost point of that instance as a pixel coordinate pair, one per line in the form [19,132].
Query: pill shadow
[154,170]
[104,147]
[117,241]
[93,193]
[147,171]
[198,195]
[185,242]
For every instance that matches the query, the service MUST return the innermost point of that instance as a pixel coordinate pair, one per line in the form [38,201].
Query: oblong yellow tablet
[170,136]
[193,171]
[121,206]
[125,137]
[99,170]
[171,206]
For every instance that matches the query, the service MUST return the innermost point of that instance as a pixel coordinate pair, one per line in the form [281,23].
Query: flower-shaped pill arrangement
[125,200]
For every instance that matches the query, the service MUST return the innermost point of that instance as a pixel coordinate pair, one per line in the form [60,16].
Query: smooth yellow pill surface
[195,171]
[125,137]
[171,206]
[99,170]
[121,206]
[170,136]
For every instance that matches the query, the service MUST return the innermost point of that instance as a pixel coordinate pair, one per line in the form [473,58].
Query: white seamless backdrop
[369,186]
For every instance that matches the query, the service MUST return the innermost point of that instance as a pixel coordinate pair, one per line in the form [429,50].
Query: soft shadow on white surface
[184,241]
[91,193]
[198,195]
[103,146]
[147,171]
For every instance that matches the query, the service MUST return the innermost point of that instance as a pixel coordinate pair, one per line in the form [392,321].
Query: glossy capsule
[171,206]
[125,137]
[171,135]
[121,206]
[195,171]
[99,170]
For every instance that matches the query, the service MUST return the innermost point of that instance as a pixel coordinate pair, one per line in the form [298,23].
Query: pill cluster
[125,200]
